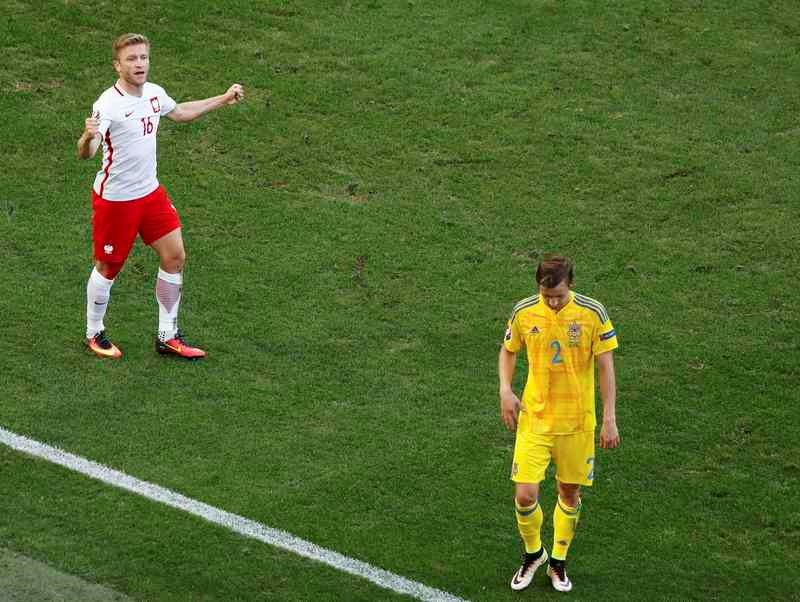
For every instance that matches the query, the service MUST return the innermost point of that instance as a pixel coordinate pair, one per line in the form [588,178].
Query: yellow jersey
[559,396]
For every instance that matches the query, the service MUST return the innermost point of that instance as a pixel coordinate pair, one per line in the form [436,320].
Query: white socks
[168,294]
[98,291]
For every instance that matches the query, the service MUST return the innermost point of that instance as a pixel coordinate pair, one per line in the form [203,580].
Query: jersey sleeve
[166,101]
[512,340]
[605,338]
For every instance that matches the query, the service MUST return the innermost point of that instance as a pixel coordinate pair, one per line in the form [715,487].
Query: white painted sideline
[234,522]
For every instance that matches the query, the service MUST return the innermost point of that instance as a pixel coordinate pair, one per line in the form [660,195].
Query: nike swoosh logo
[128,114]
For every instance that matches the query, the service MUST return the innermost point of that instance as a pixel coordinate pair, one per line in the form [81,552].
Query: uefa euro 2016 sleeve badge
[574,334]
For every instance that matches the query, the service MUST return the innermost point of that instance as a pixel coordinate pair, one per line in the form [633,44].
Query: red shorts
[115,224]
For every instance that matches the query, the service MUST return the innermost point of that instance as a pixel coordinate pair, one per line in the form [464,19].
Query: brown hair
[555,269]
[125,40]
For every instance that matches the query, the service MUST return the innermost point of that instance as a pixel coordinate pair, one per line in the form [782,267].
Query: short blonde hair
[128,39]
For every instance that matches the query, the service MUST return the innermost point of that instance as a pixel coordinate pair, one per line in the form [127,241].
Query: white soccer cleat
[558,577]
[523,577]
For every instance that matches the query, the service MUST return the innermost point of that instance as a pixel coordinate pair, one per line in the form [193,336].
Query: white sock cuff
[100,280]
[171,278]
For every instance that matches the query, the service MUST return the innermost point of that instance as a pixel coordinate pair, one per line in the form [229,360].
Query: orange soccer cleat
[178,346]
[102,347]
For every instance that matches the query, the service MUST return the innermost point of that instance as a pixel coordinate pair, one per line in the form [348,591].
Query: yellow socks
[565,520]
[529,522]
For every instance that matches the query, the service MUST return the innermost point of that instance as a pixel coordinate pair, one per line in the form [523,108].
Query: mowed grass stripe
[234,522]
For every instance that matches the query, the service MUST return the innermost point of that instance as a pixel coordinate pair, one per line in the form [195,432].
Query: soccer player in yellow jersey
[563,334]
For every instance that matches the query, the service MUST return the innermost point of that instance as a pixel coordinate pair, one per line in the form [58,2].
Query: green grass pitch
[358,231]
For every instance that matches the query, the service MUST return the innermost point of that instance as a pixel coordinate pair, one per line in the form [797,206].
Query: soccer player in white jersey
[127,198]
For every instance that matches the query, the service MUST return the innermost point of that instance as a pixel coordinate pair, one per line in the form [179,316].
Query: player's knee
[571,494]
[109,269]
[174,262]
[525,496]
[524,500]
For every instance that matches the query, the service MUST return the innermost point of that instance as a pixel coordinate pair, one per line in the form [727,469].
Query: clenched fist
[91,127]
[234,94]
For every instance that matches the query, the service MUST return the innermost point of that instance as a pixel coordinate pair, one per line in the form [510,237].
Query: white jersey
[129,125]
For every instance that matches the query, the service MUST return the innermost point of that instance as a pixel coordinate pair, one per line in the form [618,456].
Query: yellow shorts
[573,456]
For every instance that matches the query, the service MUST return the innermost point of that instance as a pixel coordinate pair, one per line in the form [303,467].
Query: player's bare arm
[609,434]
[89,141]
[509,402]
[191,110]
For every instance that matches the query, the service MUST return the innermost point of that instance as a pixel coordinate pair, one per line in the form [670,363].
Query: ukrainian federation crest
[574,334]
